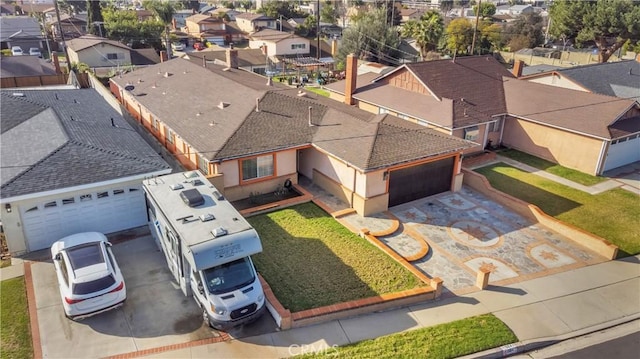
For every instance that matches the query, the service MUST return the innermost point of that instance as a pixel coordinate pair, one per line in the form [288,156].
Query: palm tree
[427,32]
[163,11]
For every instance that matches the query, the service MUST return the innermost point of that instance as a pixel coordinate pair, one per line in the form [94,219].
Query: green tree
[490,36]
[308,27]
[459,35]
[487,9]
[94,17]
[123,26]
[163,10]
[276,8]
[529,26]
[427,31]
[329,13]
[610,23]
[370,38]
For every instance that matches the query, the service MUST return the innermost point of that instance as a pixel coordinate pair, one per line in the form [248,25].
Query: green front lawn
[553,168]
[318,91]
[613,215]
[14,323]
[310,260]
[450,340]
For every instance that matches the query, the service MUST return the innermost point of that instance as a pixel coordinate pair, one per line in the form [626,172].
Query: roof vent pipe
[257,104]
[112,123]
[204,61]
[310,111]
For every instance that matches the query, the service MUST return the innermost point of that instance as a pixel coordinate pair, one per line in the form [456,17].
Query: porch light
[8,207]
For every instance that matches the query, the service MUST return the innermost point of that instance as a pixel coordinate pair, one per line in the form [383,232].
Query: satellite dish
[129,87]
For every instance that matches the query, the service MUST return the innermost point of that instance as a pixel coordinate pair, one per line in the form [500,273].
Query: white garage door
[105,211]
[623,153]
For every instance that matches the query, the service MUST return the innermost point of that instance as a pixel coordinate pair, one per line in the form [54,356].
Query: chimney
[334,47]
[163,56]
[518,65]
[56,62]
[350,86]
[232,58]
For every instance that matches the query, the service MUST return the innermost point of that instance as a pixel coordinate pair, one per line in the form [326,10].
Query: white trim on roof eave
[560,128]
[85,186]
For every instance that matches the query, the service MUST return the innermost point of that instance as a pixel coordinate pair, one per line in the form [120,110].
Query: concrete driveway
[156,313]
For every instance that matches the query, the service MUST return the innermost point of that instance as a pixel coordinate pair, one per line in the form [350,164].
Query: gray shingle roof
[619,79]
[364,140]
[64,138]
[19,66]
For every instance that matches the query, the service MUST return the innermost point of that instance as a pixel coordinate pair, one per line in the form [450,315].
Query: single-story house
[23,31]
[70,163]
[477,99]
[98,51]
[249,135]
[618,78]
[72,26]
[279,43]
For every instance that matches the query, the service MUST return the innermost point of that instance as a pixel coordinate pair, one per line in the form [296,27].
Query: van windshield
[229,276]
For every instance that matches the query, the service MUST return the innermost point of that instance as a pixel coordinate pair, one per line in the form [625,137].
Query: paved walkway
[627,177]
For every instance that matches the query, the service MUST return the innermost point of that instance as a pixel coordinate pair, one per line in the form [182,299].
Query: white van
[207,245]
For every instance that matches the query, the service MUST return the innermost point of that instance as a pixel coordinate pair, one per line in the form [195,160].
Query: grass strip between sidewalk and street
[613,215]
[553,168]
[14,320]
[310,260]
[449,340]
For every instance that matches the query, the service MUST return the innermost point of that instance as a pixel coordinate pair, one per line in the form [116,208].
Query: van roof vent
[190,174]
[207,217]
[176,186]
[219,232]
[218,195]
[192,197]
[197,182]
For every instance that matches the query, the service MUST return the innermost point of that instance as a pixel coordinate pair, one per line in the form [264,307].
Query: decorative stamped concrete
[467,231]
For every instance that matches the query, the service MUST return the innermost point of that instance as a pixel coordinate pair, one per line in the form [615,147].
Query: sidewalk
[540,312]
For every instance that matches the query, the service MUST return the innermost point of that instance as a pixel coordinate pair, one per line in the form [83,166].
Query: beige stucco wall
[480,140]
[244,25]
[231,171]
[369,206]
[286,162]
[558,81]
[12,222]
[94,56]
[371,184]
[568,149]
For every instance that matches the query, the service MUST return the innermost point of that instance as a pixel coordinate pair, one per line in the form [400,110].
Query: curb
[534,344]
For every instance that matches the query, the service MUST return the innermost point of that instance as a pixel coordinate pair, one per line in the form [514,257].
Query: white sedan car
[89,278]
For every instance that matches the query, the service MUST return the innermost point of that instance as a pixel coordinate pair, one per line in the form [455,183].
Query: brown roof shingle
[577,111]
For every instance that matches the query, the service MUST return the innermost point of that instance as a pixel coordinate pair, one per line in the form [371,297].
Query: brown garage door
[420,181]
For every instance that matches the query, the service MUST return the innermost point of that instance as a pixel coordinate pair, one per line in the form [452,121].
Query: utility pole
[64,43]
[318,28]
[475,29]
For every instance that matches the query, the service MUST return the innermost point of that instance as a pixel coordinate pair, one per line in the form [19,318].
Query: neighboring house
[250,22]
[410,14]
[144,57]
[23,31]
[180,18]
[28,71]
[144,15]
[97,51]
[8,10]
[463,98]
[248,136]
[71,26]
[536,69]
[252,60]
[70,163]
[230,12]
[618,79]
[588,132]
[209,28]
[279,43]
[475,98]
[517,10]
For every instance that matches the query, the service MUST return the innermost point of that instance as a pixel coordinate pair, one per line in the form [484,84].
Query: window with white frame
[298,46]
[495,126]
[203,165]
[471,133]
[257,167]
[169,135]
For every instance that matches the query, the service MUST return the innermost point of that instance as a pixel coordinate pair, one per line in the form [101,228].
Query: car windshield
[85,255]
[229,276]
[93,286]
